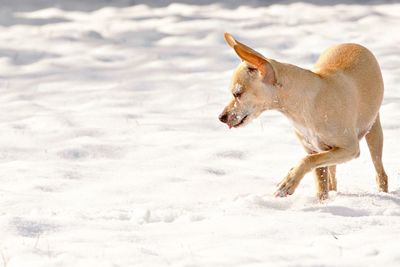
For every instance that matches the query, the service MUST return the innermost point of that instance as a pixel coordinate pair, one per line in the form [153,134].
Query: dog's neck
[296,91]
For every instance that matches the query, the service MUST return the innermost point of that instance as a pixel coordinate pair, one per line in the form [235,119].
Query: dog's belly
[310,140]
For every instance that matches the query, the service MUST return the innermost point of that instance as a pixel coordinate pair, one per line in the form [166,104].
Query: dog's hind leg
[322,181]
[332,178]
[375,143]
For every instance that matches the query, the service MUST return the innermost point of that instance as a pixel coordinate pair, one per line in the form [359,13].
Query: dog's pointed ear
[229,39]
[253,57]
[232,42]
[257,60]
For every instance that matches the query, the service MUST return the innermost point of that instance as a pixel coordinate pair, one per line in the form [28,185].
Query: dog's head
[252,86]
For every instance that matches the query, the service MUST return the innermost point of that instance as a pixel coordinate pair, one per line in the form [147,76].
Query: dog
[332,107]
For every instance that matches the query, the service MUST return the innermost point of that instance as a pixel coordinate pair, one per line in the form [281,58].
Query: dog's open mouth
[241,121]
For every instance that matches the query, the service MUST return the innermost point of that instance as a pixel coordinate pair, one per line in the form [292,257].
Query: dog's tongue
[229,126]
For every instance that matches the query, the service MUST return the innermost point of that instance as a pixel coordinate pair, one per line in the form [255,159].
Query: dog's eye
[251,69]
[237,94]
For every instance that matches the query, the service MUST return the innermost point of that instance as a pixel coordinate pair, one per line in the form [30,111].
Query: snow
[112,153]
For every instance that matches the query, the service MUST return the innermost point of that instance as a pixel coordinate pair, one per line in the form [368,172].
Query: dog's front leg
[327,158]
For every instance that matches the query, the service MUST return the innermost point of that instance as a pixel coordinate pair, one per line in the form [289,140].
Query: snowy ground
[112,155]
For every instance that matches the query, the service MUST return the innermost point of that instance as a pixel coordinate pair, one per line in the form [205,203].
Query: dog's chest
[310,139]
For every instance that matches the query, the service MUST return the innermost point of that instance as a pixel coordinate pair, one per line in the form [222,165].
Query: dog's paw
[286,187]
[322,196]
[280,193]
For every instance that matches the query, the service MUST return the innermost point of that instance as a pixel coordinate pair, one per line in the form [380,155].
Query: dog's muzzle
[223,117]
[232,120]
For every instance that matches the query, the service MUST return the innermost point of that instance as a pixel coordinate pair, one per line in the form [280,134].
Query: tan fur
[331,108]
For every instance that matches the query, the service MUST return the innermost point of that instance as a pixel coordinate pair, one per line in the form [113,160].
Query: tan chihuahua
[332,107]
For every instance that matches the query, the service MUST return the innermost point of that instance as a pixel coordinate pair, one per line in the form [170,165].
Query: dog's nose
[223,117]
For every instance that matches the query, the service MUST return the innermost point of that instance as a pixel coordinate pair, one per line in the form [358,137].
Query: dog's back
[357,67]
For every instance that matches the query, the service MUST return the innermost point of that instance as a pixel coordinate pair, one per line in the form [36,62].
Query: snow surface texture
[112,154]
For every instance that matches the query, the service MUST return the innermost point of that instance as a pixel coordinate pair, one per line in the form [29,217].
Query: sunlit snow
[112,153]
